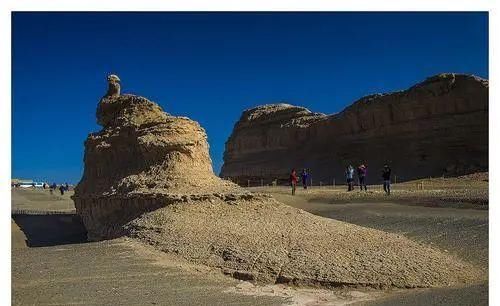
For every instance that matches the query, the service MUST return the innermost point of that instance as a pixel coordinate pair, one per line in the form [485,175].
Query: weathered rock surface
[438,127]
[263,240]
[142,159]
[148,175]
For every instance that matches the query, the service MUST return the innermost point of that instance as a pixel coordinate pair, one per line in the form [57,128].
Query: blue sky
[212,66]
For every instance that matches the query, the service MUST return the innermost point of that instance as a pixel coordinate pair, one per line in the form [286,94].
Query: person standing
[386,175]
[304,176]
[61,189]
[349,175]
[293,180]
[362,177]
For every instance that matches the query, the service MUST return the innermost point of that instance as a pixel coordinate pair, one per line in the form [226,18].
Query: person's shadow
[44,229]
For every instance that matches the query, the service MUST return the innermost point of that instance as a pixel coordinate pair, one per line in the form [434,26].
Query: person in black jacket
[386,175]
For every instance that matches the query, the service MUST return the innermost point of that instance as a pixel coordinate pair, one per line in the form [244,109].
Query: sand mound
[261,239]
[149,175]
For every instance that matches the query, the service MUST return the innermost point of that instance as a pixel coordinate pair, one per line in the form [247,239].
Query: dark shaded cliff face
[437,127]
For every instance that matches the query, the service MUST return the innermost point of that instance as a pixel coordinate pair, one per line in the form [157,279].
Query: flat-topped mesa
[434,128]
[140,153]
[266,128]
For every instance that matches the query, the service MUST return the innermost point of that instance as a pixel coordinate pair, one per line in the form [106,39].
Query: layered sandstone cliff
[438,127]
[148,176]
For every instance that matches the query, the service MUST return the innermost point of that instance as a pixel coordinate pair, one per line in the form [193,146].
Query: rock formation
[141,159]
[148,175]
[438,127]
[113,86]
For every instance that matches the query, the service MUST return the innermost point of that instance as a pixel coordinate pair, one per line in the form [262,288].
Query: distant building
[25,183]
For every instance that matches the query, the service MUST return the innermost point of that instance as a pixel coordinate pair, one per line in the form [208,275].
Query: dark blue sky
[211,67]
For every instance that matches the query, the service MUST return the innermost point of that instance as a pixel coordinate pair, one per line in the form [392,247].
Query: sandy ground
[41,200]
[63,269]
[53,265]
[462,232]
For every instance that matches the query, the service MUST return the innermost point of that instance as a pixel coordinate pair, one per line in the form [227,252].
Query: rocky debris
[438,127]
[148,175]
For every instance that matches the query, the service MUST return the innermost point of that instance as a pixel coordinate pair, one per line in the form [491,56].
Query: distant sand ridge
[148,175]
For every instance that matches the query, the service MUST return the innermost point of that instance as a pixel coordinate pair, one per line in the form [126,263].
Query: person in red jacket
[293,180]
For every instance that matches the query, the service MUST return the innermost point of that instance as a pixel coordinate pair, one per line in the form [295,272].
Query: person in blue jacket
[304,177]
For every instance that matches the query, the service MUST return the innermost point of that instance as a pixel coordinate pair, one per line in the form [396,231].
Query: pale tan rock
[113,85]
[148,175]
[438,127]
[142,159]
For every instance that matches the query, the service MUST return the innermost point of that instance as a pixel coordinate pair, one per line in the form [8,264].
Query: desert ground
[52,264]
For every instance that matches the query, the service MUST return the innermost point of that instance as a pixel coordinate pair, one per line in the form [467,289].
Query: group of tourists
[349,175]
[62,188]
[361,171]
[294,179]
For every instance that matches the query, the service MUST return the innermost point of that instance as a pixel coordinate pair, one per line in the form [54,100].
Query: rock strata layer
[142,159]
[438,127]
[148,175]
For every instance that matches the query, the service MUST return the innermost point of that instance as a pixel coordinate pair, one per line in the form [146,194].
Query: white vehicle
[31,184]
[26,185]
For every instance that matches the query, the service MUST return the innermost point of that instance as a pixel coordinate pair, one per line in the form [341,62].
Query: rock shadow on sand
[49,229]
